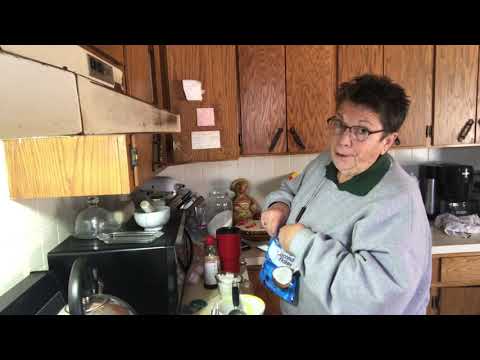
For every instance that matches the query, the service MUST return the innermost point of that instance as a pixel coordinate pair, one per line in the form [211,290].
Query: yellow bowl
[250,304]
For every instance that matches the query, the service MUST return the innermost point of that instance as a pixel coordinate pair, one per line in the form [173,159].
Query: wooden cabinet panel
[149,148]
[138,72]
[461,269]
[114,52]
[354,60]
[460,301]
[411,66]
[143,171]
[68,166]
[215,67]
[262,97]
[455,92]
[311,83]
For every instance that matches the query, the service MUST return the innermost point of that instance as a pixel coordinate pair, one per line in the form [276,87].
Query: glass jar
[218,202]
[93,221]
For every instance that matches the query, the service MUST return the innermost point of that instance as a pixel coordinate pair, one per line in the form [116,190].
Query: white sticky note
[205,117]
[193,90]
[205,140]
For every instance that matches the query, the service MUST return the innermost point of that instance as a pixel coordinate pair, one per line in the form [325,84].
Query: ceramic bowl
[250,304]
[154,220]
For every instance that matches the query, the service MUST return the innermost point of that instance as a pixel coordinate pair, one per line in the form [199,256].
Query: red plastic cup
[228,242]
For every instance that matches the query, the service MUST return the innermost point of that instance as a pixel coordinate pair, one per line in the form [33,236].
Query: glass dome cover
[94,220]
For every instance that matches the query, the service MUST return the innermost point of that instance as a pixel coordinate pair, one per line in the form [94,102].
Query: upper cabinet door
[215,67]
[455,94]
[411,66]
[354,60]
[311,83]
[139,73]
[262,98]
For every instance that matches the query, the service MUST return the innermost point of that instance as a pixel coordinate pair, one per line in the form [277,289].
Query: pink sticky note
[205,117]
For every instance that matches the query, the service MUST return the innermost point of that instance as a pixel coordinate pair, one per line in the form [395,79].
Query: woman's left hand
[287,233]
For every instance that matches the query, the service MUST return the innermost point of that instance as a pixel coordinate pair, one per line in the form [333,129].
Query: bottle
[211,264]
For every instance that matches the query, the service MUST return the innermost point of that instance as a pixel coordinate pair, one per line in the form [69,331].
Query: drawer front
[461,269]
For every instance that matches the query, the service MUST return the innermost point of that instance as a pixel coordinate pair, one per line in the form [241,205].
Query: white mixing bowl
[154,220]
[250,304]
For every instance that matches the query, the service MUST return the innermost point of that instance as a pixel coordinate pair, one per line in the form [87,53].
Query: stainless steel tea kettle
[85,295]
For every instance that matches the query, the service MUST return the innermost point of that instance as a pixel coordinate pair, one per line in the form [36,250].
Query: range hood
[52,90]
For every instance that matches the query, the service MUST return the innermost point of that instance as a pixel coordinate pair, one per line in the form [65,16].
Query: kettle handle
[75,287]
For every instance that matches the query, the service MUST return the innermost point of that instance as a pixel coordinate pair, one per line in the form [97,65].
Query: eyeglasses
[360,133]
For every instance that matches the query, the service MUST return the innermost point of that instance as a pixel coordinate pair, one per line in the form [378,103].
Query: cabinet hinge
[134,156]
[428,132]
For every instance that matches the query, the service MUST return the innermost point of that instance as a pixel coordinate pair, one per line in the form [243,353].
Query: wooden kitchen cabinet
[412,67]
[455,284]
[456,82]
[262,99]
[215,66]
[286,95]
[354,60]
[69,166]
[143,78]
[139,72]
[311,82]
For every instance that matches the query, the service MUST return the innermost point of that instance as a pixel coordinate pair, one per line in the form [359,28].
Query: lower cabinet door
[460,301]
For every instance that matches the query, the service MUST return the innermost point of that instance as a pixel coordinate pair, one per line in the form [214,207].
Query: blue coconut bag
[275,257]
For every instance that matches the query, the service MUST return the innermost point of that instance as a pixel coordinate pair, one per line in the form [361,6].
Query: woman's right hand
[274,217]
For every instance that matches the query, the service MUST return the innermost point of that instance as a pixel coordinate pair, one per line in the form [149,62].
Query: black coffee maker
[447,188]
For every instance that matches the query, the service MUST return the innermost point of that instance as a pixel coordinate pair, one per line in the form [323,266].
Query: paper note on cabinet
[193,90]
[205,140]
[205,117]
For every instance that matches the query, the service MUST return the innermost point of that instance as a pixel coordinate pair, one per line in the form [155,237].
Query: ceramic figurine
[244,206]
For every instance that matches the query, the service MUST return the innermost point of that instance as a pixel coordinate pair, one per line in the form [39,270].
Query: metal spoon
[236,301]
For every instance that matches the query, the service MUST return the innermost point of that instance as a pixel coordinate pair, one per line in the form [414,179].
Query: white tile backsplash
[281,165]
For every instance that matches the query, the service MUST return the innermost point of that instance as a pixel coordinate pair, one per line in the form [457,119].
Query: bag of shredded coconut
[277,274]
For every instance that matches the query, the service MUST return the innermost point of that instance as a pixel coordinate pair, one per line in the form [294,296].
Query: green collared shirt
[362,183]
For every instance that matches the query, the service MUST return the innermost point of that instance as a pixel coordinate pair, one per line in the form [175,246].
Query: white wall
[31,228]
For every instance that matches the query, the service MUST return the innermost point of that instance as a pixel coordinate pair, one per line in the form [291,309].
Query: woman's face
[350,156]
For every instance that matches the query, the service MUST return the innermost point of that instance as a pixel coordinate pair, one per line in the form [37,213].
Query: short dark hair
[380,94]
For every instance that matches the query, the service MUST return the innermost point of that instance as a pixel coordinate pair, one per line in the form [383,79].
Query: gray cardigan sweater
[361,252]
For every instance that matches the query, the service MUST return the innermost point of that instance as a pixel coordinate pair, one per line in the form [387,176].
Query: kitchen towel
[458,225]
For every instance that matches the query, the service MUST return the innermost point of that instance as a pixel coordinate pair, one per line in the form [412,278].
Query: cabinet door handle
[465,130]
[296,137]
[397,141]
[275,139]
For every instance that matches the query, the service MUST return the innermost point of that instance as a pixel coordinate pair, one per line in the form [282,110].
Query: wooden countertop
[254,258]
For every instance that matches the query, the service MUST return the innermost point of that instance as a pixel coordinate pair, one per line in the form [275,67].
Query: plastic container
[218,201]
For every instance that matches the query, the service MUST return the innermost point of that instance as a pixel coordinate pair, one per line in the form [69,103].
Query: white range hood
[52,90]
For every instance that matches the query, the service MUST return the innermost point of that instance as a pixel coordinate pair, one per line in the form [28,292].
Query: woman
[355,219]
